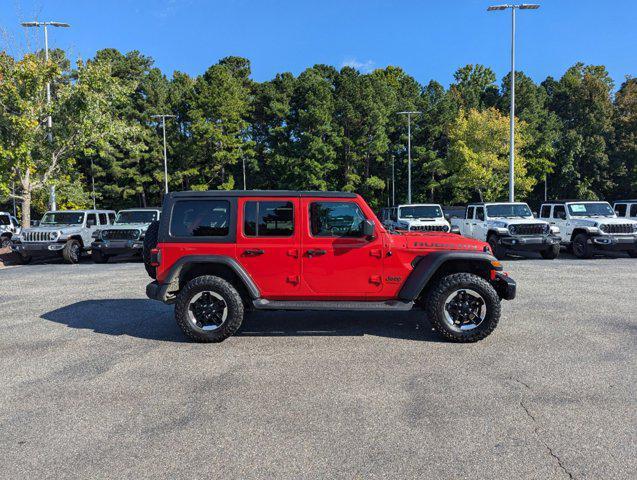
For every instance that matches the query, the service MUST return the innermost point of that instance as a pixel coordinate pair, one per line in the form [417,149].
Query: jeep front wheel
[6,241]
[497,249]
[72,251]
[551,252]
[463,307]
[99,257]
[581,247]
[209,309]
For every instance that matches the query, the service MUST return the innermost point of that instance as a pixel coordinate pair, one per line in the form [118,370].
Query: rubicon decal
[452,246]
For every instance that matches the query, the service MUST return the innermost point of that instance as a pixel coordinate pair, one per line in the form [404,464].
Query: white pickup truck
[417,217]
[509,227]
[591,227]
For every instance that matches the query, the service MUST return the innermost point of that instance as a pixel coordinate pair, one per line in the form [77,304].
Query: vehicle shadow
[152,320]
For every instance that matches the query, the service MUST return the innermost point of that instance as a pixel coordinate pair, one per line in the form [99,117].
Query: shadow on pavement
[152,320]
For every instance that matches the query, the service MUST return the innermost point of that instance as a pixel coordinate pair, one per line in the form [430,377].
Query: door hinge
[375,279]
[293,279]
[376,252]
[293,252]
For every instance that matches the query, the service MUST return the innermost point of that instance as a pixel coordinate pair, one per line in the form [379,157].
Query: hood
[602,221]
[423,221]
[127,226]
[419,241]
[518,221]
[55,228]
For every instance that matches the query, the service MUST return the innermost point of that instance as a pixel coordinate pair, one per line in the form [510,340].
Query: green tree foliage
[320,129]
[479,156]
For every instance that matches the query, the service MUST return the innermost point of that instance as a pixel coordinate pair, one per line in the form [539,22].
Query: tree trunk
[26,208]
[26,199]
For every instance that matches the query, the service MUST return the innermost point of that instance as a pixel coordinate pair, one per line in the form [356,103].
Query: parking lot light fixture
[513,7]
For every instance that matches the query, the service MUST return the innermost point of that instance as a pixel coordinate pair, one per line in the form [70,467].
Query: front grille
[617,228]
[529,229]
[429,228]
[121,234]
[39,236]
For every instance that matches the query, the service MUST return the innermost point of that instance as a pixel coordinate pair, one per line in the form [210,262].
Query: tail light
[155,257]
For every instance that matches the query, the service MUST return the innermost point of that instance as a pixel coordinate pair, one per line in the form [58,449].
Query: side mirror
[447,217]
[368,228]
[455,229]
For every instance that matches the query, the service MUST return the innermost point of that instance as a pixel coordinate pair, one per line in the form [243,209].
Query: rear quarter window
[200,218]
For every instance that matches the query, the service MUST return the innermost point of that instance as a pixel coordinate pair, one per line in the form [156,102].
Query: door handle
[253,252]
[474,224]
[312,253]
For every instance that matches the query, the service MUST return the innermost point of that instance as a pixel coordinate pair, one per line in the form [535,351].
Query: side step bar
[394,305]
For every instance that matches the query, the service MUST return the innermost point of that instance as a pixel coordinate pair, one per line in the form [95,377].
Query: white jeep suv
[9,226]
[509,227]
[66,233]
[590,227]
[418,217]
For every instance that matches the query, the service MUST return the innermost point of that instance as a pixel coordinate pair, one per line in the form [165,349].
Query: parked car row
[584,227]
[70,233]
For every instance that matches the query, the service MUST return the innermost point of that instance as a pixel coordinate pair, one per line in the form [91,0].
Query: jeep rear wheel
[463,307]
[551,252]
[581,248]
[498,250]
[6,241]
[209,309]
[72,251]
[150,242]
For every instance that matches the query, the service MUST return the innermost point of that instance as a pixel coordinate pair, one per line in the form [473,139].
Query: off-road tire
[498,250]
[99,257]
[551,253]
[581,248]
[444,287]
[72,251]
[230,295]
[24,259]
[150,242]
[632,253]
[5,241]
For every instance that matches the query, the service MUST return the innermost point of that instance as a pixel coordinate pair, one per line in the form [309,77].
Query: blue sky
[428,38]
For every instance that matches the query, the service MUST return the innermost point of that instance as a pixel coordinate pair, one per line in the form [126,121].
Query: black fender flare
[429,264]
[178,266]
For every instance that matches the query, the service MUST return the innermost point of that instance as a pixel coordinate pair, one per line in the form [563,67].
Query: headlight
[96,234]
[53,236]
[499,224]
[603,228]
[635,228]
[513,229]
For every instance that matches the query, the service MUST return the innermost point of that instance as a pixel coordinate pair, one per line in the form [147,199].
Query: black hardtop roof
[626,201]
[262,193]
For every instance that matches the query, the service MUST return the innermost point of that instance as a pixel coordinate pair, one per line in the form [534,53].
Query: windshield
[4,220]
[63,218]
[136,216]
[509,210]
[420,211]
[601,209]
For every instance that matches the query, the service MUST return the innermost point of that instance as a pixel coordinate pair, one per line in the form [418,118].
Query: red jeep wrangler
[217,254]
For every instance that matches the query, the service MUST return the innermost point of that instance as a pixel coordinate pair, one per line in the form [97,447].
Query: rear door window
[633,210]
[470,212]
[103,220]
[268,219]
[200,218]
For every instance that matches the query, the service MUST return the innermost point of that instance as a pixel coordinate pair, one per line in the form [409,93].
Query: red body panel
[349,269]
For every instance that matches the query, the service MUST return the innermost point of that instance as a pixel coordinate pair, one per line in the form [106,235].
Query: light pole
[49,121]
[393,184]
[163,126]
[409,114]
[522,6]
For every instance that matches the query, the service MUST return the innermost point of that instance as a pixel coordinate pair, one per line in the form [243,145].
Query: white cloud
[365,67]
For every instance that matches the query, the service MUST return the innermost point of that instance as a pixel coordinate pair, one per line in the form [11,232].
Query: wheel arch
[438,264]
[78,238]
[192,266]
[577,231]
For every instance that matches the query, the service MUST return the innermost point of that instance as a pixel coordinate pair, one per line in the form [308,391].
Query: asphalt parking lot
[97,381]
